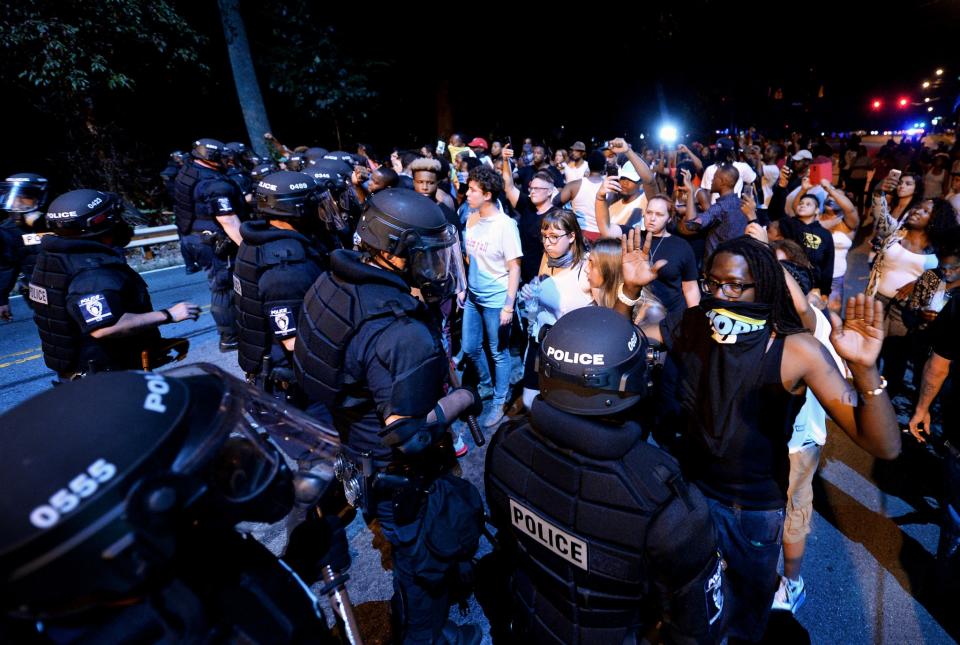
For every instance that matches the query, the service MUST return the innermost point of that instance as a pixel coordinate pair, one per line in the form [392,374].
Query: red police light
[877,104]
[902,102]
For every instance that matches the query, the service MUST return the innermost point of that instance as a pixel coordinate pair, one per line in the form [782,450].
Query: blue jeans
[750,542]
[480,322]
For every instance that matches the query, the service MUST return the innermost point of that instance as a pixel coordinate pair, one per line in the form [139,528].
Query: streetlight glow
[926,84]
[940,72]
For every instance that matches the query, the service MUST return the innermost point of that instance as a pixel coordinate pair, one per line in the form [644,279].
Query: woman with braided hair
[744,363]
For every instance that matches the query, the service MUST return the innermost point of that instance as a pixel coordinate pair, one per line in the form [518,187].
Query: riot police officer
[169,173]
[24,196]
[206,209]
[367,348]
[606,539]
[142,546]
[238,163]
[92,310]
[276,264]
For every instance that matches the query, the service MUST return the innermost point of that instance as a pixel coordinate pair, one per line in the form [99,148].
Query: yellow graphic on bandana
[728,325]
[812,241]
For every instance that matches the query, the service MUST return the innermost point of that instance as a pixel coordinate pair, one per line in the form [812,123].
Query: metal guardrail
[150,235]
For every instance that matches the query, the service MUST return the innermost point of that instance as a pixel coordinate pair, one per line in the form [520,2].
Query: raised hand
[618,145]
[507,151]
[609,185]
[859,338]
[635,261]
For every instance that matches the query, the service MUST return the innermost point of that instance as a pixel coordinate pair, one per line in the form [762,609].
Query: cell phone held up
[613,170]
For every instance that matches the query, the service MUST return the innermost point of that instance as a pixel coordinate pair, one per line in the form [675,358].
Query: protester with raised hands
[843,228]
[744,362]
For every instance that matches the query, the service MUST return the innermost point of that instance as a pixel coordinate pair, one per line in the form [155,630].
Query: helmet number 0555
[68,499]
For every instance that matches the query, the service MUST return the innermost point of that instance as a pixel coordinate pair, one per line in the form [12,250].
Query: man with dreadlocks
[744,363]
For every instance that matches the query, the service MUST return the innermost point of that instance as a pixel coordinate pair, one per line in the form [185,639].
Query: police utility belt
[368,481]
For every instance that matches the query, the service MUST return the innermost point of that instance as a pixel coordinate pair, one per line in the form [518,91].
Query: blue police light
[668,134]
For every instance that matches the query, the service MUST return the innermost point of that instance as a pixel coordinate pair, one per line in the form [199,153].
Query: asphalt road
[869,561]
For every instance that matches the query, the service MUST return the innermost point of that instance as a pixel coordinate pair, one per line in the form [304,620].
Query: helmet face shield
[435,263]
[330,212]
[21,196]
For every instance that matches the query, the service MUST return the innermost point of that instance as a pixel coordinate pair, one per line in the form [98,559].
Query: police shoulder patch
[94,308]
[224,205]
[282,321]
[568,547]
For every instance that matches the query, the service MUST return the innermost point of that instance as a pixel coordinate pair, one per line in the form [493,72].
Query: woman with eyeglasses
[562,285]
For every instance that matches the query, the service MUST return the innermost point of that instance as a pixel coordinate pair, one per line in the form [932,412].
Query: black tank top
[754,469]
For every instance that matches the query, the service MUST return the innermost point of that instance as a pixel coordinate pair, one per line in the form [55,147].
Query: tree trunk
[244,75]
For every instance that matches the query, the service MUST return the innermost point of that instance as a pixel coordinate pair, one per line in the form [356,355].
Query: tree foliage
[305,61]
[73,47]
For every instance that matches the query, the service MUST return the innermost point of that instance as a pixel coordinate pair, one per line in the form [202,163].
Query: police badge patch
[224,205]
[281,319]
[713,590]
[94,308]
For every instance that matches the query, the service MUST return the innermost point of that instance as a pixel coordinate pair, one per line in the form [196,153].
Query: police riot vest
[186,207]
[61,260]
[264,248]
[354,300]
[572,499]
[23,244]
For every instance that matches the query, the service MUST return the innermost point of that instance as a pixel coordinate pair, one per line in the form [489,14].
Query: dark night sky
[596,69]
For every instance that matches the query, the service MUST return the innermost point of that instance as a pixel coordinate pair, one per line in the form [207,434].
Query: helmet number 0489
[68,499]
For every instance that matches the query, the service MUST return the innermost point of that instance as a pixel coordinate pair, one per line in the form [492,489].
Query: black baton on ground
[471,420]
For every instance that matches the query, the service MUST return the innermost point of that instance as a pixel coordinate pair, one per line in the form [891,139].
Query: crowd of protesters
[547,230]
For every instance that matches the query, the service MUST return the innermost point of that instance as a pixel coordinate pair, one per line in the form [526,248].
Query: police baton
[471,420]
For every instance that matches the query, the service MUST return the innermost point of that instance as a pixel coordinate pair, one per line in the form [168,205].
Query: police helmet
[197,462]
[593,361]
[209,150]
[346,157]
[85,213]
[23,192]
[408,225]
[262,169]
[296,162]
[286,194]
[314,154]
[330,174]
[178,157]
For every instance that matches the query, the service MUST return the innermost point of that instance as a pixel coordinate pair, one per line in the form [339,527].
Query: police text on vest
[572,549]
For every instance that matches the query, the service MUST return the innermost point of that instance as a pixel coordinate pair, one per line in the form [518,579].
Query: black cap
[593,361]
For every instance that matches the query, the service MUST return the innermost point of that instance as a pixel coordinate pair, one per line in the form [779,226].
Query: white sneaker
[790,595]
[459,445]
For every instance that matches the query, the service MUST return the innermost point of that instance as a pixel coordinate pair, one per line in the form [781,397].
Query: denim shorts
[750,542]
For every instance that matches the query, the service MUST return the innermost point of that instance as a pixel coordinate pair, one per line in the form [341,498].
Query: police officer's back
[207,208]
[276,264]
[92,310]
[367,349]
[23,196]
[603,536]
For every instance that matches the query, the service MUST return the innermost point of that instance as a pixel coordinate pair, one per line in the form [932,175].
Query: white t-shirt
[490,243]
[562,293]
[746,174]
[621,212]
[841,246]
[811,421]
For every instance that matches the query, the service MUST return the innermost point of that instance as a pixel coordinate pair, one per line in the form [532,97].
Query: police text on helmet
[156,387]
[574,357]
[298,187]
[95,202]
[264,184]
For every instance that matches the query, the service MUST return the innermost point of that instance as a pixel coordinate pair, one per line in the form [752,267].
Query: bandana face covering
[734,322]
[562,262]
